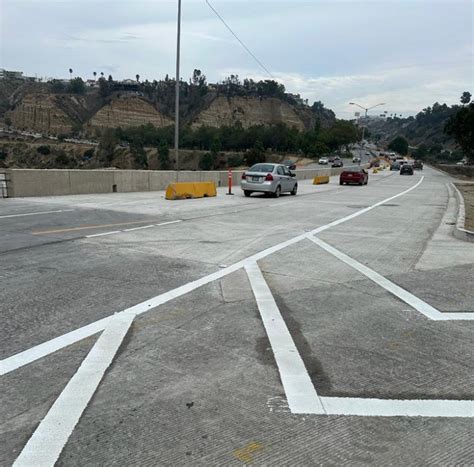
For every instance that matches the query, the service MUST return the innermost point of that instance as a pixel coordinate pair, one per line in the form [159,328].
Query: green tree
[164,155]
[421,152]
[104,87]
[207,161]
[465,98]
[8,122]
[57,86]
[255,155]
[461,127]
[399,145]
[43,150]
[77,86]
[107,143]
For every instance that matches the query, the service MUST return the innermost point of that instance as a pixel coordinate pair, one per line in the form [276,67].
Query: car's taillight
[269,178]
[244,176]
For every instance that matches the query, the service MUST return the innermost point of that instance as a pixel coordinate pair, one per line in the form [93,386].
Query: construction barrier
[187,190]
[376,171]
[320,180]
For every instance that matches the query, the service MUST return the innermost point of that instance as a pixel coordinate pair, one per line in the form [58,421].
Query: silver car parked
[269,178]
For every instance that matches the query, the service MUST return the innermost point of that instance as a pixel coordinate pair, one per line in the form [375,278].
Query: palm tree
[70,73]
[95,74]
[138,78]
[102,74]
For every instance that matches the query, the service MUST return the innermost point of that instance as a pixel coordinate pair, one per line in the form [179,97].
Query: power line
[235,35]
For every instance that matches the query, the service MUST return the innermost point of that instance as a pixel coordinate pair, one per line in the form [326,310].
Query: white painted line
[51,435]
[415,302]
[397,408]
[30,355]
[132,229]
[139,228]
[299,389]
[23,358]
[103,234]
[36,213]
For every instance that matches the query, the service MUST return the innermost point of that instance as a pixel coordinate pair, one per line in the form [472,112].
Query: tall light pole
[366,111]
[176,107]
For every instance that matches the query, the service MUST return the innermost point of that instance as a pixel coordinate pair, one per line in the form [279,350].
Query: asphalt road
[207,374]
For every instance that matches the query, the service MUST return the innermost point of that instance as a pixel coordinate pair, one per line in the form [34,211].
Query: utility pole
[176,108]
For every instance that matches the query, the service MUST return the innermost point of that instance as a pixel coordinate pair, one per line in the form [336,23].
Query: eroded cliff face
[128,111]
[248,111]
[42,113]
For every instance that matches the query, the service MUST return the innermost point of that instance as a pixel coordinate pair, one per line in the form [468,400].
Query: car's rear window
[355,170]
[262,168]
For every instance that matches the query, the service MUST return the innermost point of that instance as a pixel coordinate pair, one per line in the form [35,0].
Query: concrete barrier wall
[42,182]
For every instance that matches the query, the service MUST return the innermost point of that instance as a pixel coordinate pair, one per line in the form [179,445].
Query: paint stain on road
[246,453]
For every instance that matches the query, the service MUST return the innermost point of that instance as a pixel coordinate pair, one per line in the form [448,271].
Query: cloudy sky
[406,53]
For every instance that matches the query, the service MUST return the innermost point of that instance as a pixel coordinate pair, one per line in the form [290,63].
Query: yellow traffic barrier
[187,190]
[321,179]
[375,171]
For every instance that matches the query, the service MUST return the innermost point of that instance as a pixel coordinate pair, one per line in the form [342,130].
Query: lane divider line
[410,299]
[36,213]
[299,389]
[103,234]
[30,355]
[48,440]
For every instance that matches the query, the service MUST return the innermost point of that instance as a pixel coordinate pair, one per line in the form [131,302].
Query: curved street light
[366,111]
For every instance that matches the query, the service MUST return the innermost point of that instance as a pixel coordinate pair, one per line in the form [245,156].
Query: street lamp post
[366,111]
[176,107]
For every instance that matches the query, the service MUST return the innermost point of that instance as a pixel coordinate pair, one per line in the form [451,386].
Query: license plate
[255,179]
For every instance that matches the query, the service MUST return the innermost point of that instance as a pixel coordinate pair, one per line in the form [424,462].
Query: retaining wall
[46,182]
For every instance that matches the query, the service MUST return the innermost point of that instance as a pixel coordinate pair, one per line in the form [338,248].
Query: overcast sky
[406,53]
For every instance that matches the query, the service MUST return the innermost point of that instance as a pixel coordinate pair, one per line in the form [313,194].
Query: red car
[354,175]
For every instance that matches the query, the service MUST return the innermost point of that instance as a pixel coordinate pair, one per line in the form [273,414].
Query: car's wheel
[367,181]
[341,182]
[277,192]
[247,193]
[294,190]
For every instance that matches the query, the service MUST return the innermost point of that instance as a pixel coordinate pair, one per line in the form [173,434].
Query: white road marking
[51,435]
[103,234]
[397,407]
[36,213]
[415,302]
[30,355]
[299,389]
[41,350]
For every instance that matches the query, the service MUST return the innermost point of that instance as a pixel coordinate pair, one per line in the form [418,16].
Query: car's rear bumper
[265,187]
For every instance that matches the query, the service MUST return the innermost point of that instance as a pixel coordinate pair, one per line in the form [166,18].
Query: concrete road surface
[333,327]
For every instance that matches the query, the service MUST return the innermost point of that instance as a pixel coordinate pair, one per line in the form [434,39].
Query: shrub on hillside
[207,161]
[43,150]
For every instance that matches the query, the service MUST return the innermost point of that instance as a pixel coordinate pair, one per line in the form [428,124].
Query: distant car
[367,154]
[406,169]
[324,161]
[269,178]
[331,159]
[395,166]
[290,164]
[354,175]
[337,163]
[356,159]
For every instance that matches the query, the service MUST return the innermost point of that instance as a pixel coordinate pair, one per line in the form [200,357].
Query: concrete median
[188,190]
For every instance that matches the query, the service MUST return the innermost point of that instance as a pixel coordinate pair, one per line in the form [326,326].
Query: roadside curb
[459,231]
